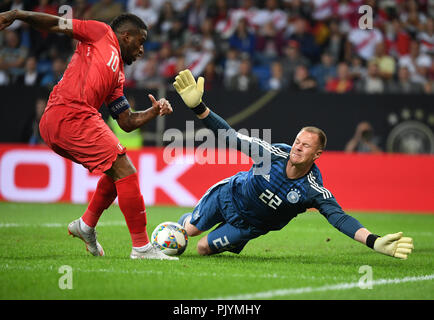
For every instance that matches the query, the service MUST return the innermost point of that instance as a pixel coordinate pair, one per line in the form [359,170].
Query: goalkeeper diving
[255,202]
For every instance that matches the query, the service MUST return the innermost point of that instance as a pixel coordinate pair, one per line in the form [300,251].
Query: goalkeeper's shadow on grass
[234,257]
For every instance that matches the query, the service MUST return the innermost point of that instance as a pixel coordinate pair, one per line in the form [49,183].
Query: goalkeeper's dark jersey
[269,200]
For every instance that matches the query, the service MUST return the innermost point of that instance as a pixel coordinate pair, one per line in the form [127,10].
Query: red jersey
[95,74]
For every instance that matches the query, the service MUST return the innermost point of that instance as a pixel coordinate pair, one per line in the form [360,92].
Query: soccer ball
[170,237]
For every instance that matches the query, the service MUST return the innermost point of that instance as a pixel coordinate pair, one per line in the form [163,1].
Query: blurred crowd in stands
[298,45]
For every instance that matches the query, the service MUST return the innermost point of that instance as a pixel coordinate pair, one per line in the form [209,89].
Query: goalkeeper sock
[103,197]
[133,207]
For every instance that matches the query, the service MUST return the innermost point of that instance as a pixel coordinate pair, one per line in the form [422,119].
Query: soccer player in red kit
[72,126]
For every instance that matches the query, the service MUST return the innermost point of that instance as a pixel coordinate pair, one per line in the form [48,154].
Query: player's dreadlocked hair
[125,18]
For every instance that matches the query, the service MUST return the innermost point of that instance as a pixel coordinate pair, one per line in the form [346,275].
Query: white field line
[122,223]
[249,296]
[334,287]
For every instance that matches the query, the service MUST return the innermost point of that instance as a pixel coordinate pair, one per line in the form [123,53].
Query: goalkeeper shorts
[231,233]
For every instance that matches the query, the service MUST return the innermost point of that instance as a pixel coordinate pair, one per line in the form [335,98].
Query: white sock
[85,227]
[144,248]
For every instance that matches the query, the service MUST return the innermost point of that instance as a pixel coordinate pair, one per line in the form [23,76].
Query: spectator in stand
[430,8]
[243,39]
[144,10]
[271,13]
[31,76]
[301,34]
[35,138]
[343,82]
[386,63]
[335,43]
[347,13]
[156,4]
[146,73]
[181,6]
[397,39]
[372,82]
[426,37]
[166,19]
[227,23]
[196,15]
[302,81]
[277,79]
[404,83]
[104,11]
[213,76]
[429,85]
[412,18]
[298,8]
[364,42]
[324,71]
[292,58]
[177,36]
[416,62]
[211,42]
[167,63]
[196,55]
[231,66]
[52,78]
[270,43]
[46,6]
[180,65]
[219,13]
[12,57]
[245,80]
[363,140]
[357,68]
[80,9]
[323,9]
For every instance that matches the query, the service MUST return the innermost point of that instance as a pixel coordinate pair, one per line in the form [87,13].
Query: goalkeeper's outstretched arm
[191,93]
[394,245]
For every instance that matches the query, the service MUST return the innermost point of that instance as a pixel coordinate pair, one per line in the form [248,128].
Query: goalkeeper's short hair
[321,135]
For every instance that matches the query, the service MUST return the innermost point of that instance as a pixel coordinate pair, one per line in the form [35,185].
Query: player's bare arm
[131,120]
[39,21]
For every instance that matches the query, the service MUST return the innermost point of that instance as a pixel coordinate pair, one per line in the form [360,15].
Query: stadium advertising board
[394,182]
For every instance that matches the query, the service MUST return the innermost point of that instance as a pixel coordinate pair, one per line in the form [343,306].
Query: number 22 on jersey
[271,199]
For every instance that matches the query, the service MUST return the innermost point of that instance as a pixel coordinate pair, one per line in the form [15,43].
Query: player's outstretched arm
[39,21]
[131,120]
[394,245]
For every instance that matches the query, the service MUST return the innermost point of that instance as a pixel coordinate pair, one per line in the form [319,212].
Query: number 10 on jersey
[114,62]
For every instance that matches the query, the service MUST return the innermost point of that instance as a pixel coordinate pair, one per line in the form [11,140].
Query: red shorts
[81,135]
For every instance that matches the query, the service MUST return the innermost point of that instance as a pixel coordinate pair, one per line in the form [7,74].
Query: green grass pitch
[308,259]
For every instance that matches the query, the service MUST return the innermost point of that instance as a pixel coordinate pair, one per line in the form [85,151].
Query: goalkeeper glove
[394,245]
[190,92]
